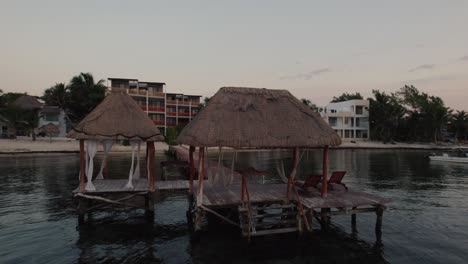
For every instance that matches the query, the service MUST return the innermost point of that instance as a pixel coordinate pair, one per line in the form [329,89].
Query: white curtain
[91,147]
[106,145]
[129,185]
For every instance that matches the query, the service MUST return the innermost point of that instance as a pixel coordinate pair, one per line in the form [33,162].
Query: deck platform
[141,185]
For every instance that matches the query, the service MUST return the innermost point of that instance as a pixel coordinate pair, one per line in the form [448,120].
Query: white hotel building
[350,119]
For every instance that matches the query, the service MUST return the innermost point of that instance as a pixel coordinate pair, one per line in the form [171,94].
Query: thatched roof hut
[117,117]
[261,118]
[27,102]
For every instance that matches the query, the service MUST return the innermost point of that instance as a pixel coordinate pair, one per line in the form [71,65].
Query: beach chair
[312,181]
[335,179]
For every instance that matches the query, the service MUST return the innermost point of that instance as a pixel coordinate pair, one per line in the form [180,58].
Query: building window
[51,117]
[358,122]
[348,133]
[332,121]
[359,109]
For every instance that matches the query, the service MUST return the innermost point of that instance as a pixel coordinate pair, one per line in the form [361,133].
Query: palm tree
[460,123]
[56,95]
[386,115]
[311,105]
[84,95]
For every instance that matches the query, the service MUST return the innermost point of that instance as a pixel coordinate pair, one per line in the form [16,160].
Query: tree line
[76,98]
[409,115]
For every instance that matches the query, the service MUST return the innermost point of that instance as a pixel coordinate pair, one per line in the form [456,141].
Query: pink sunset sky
[315,49]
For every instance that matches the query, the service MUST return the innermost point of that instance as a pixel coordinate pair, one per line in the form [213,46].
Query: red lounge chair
[312,181]
[336,178]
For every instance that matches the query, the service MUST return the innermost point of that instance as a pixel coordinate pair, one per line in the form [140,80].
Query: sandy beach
[64,145]
[58,145]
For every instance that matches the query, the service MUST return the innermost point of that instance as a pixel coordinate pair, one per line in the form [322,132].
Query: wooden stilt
[325,173]
[378,224]
[82,208]
[82,166]
[149,206]
[353,222]
[192,168]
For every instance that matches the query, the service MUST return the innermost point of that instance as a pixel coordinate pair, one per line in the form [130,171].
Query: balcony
[187,103]
[156,94]
[118,89]
[159,122]
[170,113]
[153,108]
[184,114]
[169,124]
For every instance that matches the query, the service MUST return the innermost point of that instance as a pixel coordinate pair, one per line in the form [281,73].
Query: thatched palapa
[262,118]
[117,117]
[27,102]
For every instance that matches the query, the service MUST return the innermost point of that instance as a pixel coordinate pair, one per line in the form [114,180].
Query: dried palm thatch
[117,117]
[27,102]
[257,118]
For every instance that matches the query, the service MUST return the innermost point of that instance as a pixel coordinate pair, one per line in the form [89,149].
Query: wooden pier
[271,201]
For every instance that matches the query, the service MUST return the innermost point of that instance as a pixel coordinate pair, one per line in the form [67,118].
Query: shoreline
[70,146]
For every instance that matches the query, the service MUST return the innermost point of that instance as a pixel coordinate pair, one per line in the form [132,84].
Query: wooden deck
[230,196]
[118,186]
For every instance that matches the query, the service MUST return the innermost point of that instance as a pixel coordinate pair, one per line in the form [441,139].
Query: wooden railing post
[201,174]
[192,168]
[150,149]
[325,173]
[82,166]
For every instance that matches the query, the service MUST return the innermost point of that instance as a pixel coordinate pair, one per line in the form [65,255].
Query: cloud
[445,77]
[464,58]
[308,75]
[423,67]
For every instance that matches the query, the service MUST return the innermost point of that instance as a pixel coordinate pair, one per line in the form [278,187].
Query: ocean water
[427,222]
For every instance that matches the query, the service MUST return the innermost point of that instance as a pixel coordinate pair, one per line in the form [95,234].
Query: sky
[314,49]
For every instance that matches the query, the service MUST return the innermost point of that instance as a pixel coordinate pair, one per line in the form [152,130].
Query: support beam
[192,168]
[150,148]
[201,174]
[82,166]
[353,221]
[378,223]
[325,173]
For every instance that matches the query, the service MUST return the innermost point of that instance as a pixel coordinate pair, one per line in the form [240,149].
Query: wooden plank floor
[141,185]
[231,195]
[228,196]
[337,199]
[117,185]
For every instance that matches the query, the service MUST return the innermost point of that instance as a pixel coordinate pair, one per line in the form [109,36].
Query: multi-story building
[165,109]
[350,119]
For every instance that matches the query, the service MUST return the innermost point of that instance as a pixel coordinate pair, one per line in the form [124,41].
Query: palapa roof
[27,102]
[117,117]
[261,118]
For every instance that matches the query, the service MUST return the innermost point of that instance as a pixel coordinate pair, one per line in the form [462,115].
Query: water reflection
[425,223]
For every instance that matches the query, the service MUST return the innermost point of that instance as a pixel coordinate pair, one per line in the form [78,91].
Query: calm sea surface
[427,222]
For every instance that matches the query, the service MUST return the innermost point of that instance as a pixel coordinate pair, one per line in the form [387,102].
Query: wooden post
[150,148]
[192,168]
[378,223]
[325,173]
[353,222]
[290,179]
[82,166]
[201,174]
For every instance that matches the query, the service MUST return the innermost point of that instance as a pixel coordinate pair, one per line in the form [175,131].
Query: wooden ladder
[266,219]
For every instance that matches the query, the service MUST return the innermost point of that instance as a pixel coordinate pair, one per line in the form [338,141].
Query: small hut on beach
[256,118]
[117,117]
